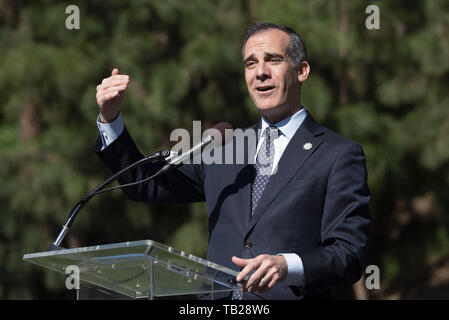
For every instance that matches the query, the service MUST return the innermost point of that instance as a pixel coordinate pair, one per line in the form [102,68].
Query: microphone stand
[161,155]
[158,156]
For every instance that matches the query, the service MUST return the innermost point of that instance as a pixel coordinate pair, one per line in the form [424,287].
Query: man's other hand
[268,270]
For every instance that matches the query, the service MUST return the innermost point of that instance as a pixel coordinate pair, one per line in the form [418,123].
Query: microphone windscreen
[226,131]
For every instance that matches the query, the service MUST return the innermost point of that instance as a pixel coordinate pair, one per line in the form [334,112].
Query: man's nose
[263,72]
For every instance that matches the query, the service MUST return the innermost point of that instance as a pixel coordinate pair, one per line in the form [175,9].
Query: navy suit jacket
[316,205]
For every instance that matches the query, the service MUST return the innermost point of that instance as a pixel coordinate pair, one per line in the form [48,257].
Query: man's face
[271,78]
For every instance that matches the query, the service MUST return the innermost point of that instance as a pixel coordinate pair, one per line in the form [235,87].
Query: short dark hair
[296,50]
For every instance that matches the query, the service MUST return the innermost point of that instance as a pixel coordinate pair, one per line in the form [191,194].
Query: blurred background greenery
[386,89]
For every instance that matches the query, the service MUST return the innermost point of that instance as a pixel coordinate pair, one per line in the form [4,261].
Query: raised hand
[110,95]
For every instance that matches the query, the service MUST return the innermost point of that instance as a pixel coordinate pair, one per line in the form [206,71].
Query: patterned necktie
[264,166]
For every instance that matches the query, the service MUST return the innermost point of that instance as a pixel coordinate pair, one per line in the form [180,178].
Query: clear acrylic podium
[138,270]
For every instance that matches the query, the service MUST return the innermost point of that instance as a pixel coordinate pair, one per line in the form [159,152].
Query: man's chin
[266,107]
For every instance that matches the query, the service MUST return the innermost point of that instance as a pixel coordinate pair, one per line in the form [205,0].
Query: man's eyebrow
[274,55]
[266,55]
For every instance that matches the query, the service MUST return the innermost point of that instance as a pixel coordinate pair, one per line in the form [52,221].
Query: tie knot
[271,132]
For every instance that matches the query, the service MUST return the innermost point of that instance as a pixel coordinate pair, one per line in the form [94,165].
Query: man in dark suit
[294,216]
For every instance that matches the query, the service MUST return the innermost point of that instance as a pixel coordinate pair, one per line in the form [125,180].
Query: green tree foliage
[386,89]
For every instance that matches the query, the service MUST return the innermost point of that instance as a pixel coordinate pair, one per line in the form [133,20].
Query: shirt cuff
[295,273]
[110,131]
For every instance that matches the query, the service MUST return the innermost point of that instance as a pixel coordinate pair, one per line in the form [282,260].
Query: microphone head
[225,131]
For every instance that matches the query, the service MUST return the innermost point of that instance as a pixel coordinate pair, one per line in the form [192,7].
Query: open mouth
[264,89]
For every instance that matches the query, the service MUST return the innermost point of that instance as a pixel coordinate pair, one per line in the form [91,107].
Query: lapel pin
[307,146]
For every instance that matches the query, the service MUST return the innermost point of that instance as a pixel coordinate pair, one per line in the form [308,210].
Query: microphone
[220,132]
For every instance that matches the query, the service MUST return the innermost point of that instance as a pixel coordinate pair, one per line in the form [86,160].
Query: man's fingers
[261,273]
[114,88]
[119,85]
[275,279]
[248,264]
[102,98]
[270,278]
[240,262]
[245,271]
[114,71]
[113,81]
[115,77]
[110,94]
[102,95]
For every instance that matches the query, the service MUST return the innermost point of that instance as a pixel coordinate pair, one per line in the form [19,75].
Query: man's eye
[249,64]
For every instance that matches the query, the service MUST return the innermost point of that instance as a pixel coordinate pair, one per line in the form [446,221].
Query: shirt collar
[289,125]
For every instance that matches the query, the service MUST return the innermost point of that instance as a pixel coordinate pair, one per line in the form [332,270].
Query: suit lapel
[302,145]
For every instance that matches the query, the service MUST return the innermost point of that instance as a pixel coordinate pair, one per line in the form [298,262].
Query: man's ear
[303,71]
